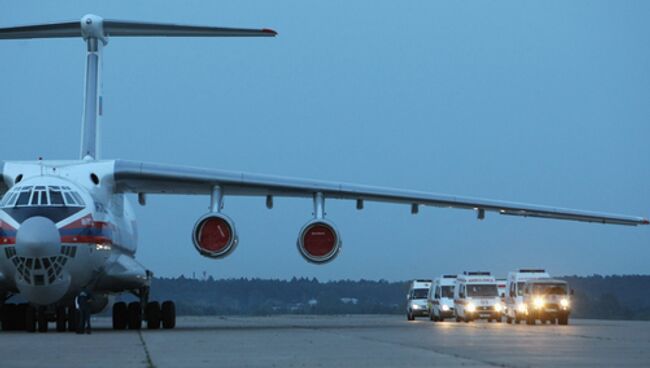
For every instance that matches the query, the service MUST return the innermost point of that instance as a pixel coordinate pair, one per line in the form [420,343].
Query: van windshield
[447,292]
[549,289]
[482,290]
[420,293]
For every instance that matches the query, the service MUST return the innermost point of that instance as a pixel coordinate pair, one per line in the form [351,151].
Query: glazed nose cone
[37,237]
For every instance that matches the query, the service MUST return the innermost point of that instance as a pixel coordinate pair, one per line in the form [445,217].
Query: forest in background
[601,297]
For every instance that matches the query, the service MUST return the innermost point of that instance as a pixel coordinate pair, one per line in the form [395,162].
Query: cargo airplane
[68,225]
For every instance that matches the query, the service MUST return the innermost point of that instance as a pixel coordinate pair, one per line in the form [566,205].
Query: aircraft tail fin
[96,31]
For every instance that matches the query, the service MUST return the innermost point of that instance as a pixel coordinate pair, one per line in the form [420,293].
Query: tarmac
[335,341]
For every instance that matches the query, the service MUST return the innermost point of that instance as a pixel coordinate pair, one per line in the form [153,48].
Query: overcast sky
[543,102]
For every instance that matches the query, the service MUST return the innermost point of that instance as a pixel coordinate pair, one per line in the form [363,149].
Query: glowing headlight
[521,308]
[445,308]
[415,306]
[471,307]
[538,302]
[564,303]
[498,307]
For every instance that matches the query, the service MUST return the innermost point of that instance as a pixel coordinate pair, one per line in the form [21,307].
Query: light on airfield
[445,308]
[538,302]
[471,307]
[521,308]
[564,303]
[498,307]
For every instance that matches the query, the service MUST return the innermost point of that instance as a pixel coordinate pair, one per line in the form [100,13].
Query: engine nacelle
[214,235]
[319,241]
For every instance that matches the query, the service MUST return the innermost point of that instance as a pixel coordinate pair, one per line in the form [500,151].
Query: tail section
[95,31]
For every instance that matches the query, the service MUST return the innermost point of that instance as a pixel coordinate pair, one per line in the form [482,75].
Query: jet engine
[214,235]
[319,241]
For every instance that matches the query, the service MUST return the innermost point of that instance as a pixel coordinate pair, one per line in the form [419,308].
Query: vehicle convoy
[547,300]
[441,298]
[476,296]
[515,307]
[66,225]
[416,299]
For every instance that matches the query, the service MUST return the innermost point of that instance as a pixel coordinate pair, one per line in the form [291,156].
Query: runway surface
[335,341]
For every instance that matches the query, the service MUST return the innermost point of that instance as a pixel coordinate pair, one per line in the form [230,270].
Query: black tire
[43,323]
[8,314]
[73,318]
[61,318]
[168,314]
[153,315]
[135,316]
[409,316]
[509,320]
[458,319]
[30,319]
[21,314]
[467,319]
[120,316]
[489,320]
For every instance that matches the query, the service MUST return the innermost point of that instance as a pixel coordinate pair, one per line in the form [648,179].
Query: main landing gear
[132,315]
[25,317]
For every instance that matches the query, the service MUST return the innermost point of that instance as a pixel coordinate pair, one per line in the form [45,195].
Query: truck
[441,298]
[416,299]
[476,296]
[547,300]
[515,308]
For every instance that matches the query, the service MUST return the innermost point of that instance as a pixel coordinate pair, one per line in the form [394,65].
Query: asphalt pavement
[335,341]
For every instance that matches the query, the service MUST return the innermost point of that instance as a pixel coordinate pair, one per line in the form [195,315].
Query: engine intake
[319,241]
[214,235]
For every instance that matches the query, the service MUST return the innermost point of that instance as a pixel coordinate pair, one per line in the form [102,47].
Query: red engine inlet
[319,241]
[214,235]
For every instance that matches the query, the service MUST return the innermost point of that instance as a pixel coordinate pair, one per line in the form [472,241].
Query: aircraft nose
[37,237]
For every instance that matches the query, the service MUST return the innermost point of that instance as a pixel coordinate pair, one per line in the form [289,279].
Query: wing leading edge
[141,177]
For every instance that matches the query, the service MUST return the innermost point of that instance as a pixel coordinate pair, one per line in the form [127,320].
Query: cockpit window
[51,201]
[42,196]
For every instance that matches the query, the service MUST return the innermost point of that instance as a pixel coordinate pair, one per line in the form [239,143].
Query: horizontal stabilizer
[95,26]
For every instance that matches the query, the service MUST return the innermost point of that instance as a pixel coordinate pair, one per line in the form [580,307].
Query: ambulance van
[515,307]
[476,296]
[416,299]
[441,298]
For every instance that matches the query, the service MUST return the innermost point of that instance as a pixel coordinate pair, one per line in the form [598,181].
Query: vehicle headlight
[471,307]
[416,306]
[498,307]
[565,303]
[538,302]
[445,308]
[521,308]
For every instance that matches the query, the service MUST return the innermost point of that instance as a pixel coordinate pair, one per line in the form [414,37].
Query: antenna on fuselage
[95,31]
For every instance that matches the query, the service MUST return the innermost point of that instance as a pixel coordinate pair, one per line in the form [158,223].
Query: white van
[547,300]
[441,298]
[416,299]
[515,307]
[476,297]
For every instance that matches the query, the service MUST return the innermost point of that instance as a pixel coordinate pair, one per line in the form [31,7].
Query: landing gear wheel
[21,314]
[42,320]
[30,319]
[135,316]
[120,316]
[153,315]
[73,318]
[61,318]
[168,314]
[7,316]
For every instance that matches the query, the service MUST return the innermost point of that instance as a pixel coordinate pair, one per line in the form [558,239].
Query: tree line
[602,297]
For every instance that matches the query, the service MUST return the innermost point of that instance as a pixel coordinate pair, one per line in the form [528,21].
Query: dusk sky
[544,102]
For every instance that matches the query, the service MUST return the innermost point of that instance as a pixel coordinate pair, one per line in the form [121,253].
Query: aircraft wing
[141,177]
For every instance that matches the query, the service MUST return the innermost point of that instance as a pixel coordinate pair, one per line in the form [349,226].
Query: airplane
[68,225]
